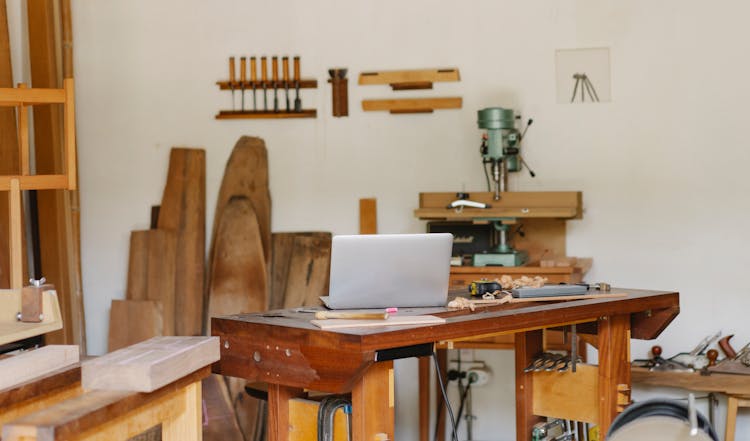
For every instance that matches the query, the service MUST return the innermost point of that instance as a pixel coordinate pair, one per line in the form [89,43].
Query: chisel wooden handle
[253,69]
[243,71]
[232,78]
[324,315]
[275,70]
[296,70]
[263,69]
[285,64]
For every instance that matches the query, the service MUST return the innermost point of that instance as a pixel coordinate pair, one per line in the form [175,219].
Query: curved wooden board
[246,174]
[238,270]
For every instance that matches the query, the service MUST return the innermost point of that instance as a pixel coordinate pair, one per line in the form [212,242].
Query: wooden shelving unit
[281,87]
[410,80]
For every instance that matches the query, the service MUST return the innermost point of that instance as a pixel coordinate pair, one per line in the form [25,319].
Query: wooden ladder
[22,98]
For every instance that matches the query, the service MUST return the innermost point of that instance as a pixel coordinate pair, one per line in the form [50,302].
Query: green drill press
[500,149]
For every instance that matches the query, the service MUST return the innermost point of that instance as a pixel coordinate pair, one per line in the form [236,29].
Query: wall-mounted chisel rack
[410,80]
[270,96]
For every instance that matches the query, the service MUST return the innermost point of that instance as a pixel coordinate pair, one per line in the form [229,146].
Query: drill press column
[499,145]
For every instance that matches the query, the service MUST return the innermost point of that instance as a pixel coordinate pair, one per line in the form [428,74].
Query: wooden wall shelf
[412,105]
[250,114]
[526,204]
[409,79]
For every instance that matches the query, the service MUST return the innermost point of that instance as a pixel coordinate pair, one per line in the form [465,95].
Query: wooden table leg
[528,345]
[424,398]
[440,409]
[278,411]
[614,368]
[373,403]
[187,424]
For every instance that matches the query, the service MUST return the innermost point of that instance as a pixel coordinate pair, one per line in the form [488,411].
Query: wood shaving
[508,282]
[461,303]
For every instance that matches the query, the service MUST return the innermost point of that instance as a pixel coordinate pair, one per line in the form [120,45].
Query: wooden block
[567,395]
[23,367]
[149,365]
[394,320]
[133,321]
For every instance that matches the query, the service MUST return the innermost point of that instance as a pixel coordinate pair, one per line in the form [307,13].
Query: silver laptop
[389,270]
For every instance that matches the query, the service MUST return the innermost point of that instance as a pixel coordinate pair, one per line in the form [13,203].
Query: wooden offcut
[183,210]
[300,269]
[149,365]
[368,216]
[394,320]
[134,321]
[23,367]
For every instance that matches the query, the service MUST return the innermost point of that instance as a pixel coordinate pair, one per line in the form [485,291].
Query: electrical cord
[445,395]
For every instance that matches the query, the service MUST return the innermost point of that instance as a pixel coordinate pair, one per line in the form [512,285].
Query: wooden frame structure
[22,98]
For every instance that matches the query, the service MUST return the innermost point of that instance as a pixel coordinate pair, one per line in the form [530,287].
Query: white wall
[662,167]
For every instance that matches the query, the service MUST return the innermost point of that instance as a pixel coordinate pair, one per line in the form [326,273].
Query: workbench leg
[278,411]
[732,404]
[614,368]
[186,426]
[528,345]
[373,403]
[424,398]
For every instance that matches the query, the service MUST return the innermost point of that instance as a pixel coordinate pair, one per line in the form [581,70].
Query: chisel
[325,315]
[275,74]
[264,80]
[243,80]
[285,63]
[297,101]
[254,79]
[231,78]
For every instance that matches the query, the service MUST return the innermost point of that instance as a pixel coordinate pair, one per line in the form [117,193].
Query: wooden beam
[412,105]
[35,95]
[408,76]
[614,368]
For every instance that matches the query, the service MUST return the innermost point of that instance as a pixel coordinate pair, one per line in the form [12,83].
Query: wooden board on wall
[9,161]
[133,321]
[58,210]
[183,210]
[300,269]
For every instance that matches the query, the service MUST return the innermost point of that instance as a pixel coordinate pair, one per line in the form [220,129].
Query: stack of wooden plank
[164,294]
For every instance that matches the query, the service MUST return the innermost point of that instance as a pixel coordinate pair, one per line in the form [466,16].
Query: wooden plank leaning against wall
[9,161]
[58,210]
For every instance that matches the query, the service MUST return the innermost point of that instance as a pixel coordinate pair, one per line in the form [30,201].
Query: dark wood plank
[183,210]
[300,269]
[278,411]
[133,321]
[368,216]
[32,389]
[373,403]
[424,398]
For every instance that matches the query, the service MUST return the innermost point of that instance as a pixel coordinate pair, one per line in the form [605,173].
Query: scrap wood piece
[183,210]
[463,302]
[300,269]
[149,365]
[564,298]
[36,363]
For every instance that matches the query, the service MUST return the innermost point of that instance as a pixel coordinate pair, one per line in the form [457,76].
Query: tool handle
[232,78]
[727,347]
[243,70]
[253,69]
[296,69]
[263,69]
[285,64]
[275,69]
[325,315]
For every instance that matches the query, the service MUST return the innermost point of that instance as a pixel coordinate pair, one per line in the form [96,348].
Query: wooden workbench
[290,354]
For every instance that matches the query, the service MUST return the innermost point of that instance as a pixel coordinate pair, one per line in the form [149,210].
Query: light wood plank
[614,367]
[372,403]
[38,95]
[38,362]
[408,76]
[149,365]
[412,104]
[16,228]
[567,395]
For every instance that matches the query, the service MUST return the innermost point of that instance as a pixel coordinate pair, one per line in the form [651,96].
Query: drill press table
[286,351]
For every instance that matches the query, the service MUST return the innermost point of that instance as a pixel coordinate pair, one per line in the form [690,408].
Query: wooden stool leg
[731,418]
[187,425]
